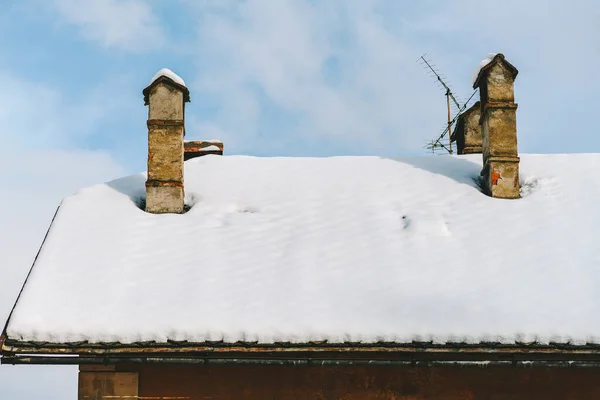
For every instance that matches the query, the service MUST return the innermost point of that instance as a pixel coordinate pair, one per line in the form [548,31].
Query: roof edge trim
[303,361]
[99,349]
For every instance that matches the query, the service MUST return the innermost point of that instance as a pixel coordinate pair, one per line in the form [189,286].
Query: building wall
[231,382]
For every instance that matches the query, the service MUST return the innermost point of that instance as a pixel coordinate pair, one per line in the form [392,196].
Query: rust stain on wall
[495,177]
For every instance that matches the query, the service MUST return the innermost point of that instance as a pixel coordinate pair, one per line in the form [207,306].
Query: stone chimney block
[468,131]
[499,128]
[166,97]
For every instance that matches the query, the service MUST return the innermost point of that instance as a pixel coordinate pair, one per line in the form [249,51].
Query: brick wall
[229,382]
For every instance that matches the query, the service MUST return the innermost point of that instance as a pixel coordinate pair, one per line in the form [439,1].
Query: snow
[482,64]
[343,249]
[212,147]
[169,74]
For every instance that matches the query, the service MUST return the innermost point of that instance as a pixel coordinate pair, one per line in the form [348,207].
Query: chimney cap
[490,61]
[169,74]
[170,78]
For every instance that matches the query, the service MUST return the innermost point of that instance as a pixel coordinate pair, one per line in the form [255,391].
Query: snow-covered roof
[169,74]
[343,249]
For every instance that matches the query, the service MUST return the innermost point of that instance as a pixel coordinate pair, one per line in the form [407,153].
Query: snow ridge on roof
[169,74]
[343,249]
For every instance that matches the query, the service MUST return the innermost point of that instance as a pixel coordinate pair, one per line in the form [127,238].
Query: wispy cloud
[39,115]
[42,128]
[285,75]
[126,24]
[328,70]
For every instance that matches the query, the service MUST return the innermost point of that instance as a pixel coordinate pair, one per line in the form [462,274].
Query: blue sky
[268,77]
[297,77]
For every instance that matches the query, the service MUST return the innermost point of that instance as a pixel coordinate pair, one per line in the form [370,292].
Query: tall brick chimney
[499,128]
[166,97]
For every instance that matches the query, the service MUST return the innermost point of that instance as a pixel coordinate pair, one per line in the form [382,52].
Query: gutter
[186,348]
[42,360]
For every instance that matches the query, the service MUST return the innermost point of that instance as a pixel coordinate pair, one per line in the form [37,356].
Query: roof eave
[11,347]
[302,361]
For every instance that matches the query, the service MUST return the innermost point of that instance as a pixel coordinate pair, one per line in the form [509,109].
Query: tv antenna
[437,143]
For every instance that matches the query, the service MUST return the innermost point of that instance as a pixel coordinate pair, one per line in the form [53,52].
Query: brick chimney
[468,131]
[495,81]
[166,97]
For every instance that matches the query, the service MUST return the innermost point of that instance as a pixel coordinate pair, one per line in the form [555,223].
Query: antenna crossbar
[452,122]
[452,104]
[441,81]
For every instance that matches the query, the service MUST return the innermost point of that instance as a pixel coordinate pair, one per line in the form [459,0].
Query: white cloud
[346,71]
[126,24]
[38,168]
[336,68]
[36,115]
[36,180]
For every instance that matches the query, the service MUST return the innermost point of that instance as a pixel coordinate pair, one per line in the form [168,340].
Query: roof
[342,249]
[487,63]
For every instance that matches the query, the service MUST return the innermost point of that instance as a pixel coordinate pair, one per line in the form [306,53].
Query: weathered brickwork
[166,101]
[499,128]
[165,149]
[166,130]
[468,131]
[104,385]
[232,382]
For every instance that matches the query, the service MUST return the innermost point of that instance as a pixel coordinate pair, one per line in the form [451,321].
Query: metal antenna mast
[437,143]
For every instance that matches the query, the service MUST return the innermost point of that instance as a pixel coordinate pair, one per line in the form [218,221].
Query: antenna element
[436,144]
